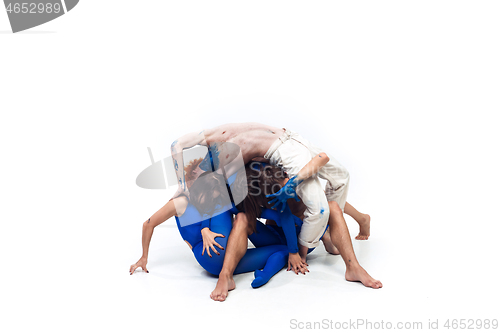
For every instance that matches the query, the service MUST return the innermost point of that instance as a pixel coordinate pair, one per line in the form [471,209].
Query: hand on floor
[297,264]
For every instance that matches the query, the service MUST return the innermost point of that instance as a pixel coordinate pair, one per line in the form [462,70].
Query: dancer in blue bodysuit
[259,180]
[272,243]
[270,254]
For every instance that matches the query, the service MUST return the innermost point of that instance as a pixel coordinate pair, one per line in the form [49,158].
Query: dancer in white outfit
[292,152]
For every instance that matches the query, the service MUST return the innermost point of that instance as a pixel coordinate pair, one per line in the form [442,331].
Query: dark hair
[202,192]
[261,180]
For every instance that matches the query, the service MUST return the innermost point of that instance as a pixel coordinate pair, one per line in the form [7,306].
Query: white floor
[81,283]
[68,271]
[423,280]
[404,94]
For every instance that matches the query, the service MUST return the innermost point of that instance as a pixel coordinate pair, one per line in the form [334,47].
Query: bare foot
[364,228]
[224,285]
[327,242]
[358,273]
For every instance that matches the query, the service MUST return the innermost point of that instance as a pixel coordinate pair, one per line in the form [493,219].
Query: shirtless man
[261,141]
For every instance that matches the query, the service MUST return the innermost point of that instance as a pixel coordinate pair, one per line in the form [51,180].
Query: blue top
[287,222]
[189,225]
[191,222]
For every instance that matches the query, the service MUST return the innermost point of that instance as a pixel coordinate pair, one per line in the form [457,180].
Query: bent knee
[319,215]
[241,222]
[334,208]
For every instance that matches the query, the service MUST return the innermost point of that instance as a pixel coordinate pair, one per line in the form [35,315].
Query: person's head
[192,171]
[208,192]
[261,180]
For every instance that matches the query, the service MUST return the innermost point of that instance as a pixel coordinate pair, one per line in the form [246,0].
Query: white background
[404,94]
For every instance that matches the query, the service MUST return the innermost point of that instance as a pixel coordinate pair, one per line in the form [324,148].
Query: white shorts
[292,152]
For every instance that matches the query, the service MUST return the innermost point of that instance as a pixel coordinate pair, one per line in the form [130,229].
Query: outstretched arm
[288,191]
[186,141]
[173,207]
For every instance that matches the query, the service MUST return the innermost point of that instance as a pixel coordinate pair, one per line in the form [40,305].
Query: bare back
[254,139]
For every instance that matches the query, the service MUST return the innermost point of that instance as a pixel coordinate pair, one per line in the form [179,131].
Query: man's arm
[186,141]
[288,191]
[313,166]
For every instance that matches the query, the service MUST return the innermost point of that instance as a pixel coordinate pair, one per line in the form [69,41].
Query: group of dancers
[256,171]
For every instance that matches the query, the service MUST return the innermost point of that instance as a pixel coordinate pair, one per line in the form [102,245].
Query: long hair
[261,180]
[192,171]
[203,189]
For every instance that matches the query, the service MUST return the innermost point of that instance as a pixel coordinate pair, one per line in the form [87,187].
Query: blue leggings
[271,234]
[269,254]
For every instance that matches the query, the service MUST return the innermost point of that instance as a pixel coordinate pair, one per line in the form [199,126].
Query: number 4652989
[33,8]
[471,324]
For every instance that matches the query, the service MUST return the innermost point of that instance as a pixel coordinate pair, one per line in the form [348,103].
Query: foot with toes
[359,274]
[224,285]
[364,228]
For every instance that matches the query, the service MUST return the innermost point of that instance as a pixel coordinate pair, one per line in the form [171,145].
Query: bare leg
[327,242]
[362,219]
[235,250]
[342,240]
